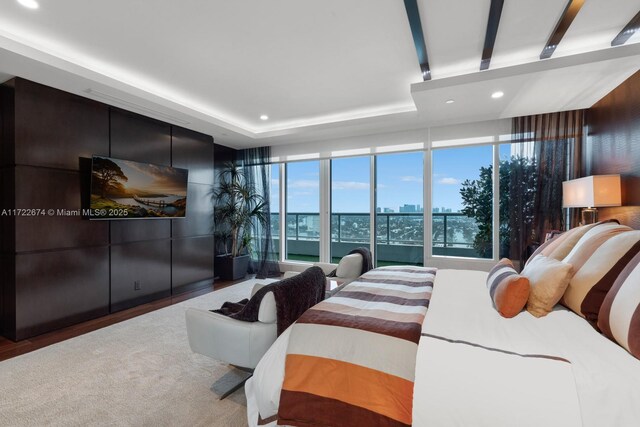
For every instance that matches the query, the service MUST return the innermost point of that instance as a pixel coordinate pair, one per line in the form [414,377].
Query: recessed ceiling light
[498,94]
[264,117]
[31,4]
[449,101]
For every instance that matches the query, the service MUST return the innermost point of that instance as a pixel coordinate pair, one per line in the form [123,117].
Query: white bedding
[600,386]
[487,388]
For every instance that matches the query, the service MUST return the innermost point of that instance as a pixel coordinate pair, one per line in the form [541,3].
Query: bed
[474,367]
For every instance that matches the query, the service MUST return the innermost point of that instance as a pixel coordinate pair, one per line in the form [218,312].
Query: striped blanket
[351,359]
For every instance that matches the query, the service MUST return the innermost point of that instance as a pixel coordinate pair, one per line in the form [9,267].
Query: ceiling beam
[495,12]
[413,14]
[627,31]
[569,14]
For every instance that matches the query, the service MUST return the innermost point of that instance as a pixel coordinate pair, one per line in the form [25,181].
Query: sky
[399,177]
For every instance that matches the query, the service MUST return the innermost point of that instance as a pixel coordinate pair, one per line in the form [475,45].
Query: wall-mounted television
[123,189]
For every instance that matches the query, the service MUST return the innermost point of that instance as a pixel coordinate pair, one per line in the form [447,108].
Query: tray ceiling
[317,69]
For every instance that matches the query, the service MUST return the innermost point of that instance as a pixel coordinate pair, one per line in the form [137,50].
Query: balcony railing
[452,233]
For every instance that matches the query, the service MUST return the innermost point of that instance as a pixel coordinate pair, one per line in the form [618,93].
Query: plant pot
[230,268]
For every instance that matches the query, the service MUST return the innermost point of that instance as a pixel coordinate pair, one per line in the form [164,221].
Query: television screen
[122,189]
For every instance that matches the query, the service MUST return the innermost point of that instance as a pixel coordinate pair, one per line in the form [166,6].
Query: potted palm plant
[237,207]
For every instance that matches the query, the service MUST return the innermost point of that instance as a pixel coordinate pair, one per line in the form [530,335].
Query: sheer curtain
[546,150]
[264,261]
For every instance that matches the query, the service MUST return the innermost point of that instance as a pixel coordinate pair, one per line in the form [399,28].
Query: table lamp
[591,193]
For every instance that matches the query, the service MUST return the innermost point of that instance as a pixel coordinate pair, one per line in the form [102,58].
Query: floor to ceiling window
[461,206]
[399,209]
[350,205]
[274,207]
[303,211]
[462,202]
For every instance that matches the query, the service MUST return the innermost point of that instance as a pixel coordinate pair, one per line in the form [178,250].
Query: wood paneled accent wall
[613,146]
[59,270]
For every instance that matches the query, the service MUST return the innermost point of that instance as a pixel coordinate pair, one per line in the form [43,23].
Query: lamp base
[589,216]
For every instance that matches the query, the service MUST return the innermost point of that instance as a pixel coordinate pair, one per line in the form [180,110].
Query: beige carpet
[140,372]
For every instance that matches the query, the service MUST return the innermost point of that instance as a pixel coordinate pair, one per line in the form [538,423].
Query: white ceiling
[559,84]
[318,69]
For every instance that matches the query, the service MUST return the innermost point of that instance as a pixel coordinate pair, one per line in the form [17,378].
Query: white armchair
[232,341]
[349,268]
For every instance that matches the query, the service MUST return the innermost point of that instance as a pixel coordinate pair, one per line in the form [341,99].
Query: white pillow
[350,266]
[267,311]
[549,279]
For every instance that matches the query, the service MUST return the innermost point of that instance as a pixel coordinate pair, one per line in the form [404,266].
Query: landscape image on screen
[122,189]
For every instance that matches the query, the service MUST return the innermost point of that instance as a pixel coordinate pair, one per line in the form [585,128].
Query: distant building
[378,210]
[388,210]
[408,208]
[436,210]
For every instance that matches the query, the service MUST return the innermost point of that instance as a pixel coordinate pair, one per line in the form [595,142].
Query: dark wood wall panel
[136,230]
[7,295]
[613,146]
[192,262]
[7,204]
[55,128]
[199,218]
[193,151]
[222,155]
[57,190]
[61,269]
[145,140]
[148,263]
[60,288]
[138,138]
[7,124]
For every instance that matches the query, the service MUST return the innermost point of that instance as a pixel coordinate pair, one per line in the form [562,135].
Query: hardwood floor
[9,349]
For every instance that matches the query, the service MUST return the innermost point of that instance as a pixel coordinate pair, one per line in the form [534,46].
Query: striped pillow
[508,290]
[598,258]
[560,246]
[619,317]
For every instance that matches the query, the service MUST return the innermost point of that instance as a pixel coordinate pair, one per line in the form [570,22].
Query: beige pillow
[549,279]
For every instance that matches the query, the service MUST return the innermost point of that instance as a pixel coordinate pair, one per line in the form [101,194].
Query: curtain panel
[257,170]
[546,150]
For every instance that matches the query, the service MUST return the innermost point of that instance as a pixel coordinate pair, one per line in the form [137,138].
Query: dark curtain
[257,170]
[546,150]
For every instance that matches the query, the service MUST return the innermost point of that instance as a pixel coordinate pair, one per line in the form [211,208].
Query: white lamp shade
[592,192]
